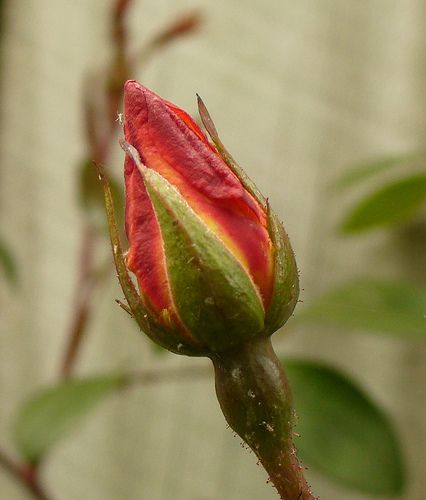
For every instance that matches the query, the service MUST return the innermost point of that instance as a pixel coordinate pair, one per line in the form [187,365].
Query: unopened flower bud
[213,263]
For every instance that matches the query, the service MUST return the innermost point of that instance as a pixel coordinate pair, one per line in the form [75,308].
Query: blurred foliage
[51,414]
[344,433]
[8,264]
[394,307]
[392,204]
[369,169]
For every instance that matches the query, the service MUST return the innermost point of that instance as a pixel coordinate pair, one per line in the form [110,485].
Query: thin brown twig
[182,26]
[82,302]
[99,137]
[119,31]
[98,142]
[25,475]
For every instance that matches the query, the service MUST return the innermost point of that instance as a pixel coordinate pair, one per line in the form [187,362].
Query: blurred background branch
[103,92]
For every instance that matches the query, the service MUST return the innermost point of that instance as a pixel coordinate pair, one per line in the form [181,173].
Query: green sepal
[226,156]
[191,291]
[285,290]
[214,284]
[168,338]
[286,279]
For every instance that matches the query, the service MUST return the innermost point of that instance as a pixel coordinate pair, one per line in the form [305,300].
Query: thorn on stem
[99,171]
[124,307]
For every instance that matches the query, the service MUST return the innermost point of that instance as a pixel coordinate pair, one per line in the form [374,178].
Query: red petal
[146,256]
[183,115]
[171,143]
[146,253]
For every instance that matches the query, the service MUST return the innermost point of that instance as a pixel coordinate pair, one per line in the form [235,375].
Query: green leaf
[367,169]
[390,205]
[393,307]
[53,413]
[343,433]
[7,262]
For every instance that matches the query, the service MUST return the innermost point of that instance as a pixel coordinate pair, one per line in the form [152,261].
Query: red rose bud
[213,264]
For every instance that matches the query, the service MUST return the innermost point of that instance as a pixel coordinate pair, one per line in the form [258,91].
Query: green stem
[256,400]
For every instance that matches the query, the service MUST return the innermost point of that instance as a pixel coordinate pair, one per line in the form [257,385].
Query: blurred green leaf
[367,169]
[392,204]
[51,414]
[394,307]
[7,263]
[91,195]
[344,434]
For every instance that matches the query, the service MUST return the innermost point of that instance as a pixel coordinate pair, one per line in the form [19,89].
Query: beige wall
[298,89]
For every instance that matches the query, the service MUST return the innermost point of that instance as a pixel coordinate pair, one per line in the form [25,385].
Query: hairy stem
[256,400]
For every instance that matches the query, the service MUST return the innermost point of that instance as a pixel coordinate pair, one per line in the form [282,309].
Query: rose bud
[213,264]
[215,270]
